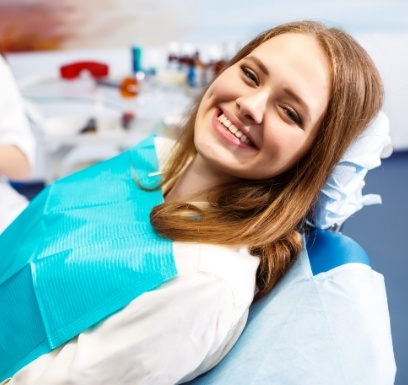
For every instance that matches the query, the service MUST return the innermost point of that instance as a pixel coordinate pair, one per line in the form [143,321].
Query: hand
[13,163]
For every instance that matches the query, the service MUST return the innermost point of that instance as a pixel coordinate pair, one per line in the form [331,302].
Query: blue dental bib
[82,250]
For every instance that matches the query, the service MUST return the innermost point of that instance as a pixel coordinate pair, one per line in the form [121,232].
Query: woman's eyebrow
[259,63]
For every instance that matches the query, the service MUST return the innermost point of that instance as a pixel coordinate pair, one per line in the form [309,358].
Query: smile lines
[234,130]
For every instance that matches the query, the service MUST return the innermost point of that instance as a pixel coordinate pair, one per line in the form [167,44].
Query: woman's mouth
[234,130]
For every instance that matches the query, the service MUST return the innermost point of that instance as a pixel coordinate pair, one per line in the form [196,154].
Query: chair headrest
[328,250]
[342,195]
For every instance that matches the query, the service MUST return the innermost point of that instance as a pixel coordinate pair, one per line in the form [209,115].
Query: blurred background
[171,48]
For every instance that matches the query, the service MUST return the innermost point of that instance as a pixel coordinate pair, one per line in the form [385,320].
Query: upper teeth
[239,134]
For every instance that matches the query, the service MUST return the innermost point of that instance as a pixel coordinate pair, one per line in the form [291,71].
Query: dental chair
[326,322]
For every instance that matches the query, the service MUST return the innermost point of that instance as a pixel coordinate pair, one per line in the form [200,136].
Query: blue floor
[382,231]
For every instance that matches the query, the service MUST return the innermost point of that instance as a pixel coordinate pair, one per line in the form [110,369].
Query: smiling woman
[324,78]
[146,279]
[274,99]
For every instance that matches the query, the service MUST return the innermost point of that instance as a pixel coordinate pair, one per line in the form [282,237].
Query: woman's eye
[293,116]
[250,74]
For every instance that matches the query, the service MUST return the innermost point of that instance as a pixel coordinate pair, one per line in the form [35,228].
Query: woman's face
[261,115]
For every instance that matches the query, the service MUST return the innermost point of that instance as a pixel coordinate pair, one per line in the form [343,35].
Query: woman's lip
[238,125]
[228,135]
[224,133]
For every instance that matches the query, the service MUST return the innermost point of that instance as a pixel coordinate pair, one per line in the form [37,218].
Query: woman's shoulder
[235,268]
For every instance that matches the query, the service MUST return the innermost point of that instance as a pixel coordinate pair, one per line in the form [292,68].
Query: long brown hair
[268,215]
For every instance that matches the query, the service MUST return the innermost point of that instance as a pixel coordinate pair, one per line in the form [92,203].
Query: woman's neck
[195,181]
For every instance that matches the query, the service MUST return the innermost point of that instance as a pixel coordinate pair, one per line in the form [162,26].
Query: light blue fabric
[82,250]
[316,329]
[342,194]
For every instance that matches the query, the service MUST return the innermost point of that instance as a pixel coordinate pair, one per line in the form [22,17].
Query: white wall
[380,25]
[390,53]
[388,49]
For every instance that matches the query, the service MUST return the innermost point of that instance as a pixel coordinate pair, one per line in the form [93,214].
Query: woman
[234,198]
[17,146]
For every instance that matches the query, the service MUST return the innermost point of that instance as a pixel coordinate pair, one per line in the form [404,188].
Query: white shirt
[166,336]
[14,130]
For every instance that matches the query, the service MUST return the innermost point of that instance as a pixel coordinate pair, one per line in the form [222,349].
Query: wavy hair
[268,215]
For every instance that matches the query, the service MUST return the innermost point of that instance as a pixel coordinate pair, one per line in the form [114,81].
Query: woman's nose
[253,106]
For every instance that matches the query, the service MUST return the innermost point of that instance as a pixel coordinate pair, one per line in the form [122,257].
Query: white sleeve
[166,336]
[14,125]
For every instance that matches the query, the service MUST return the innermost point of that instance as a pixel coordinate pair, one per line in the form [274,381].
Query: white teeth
[239,134]
[233,129]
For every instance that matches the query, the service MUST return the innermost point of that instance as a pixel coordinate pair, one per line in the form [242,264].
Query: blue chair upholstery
[342,250]
[299,313]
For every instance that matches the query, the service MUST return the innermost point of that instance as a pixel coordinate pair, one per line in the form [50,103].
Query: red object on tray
[73,70]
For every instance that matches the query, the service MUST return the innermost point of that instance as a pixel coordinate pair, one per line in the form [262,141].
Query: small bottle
[173,56]
[196,75]
[186,57]
[137,68]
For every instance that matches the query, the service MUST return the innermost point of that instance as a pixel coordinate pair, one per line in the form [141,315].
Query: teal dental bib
[82,250]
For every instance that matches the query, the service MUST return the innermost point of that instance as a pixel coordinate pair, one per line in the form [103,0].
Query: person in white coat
[17,146]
